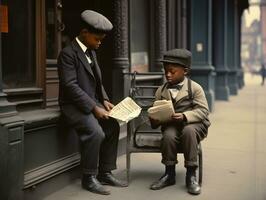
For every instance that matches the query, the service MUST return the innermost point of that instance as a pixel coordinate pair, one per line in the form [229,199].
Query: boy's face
[92,40]
[174,73]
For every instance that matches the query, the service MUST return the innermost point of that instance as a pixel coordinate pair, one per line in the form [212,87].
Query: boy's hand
[100,113]
[108,106]
[179,117]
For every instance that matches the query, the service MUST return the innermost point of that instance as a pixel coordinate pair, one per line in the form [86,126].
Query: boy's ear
[186,71]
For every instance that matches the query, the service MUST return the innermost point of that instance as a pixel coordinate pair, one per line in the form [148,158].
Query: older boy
[85,105]
[189,123]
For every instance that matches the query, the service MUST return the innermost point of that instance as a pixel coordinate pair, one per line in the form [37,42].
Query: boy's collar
[82,46]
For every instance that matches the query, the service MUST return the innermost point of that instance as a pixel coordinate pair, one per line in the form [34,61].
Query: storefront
[34,147]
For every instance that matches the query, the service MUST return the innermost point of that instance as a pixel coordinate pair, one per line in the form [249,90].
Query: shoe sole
[110,184]
[163,186]
[96,192]
[194,193]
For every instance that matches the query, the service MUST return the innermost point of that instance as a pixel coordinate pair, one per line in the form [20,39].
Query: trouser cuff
[107,168]
[89,171]
[191,164]
[169,162]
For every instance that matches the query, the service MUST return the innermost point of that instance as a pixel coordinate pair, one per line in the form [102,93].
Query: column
[160,32]
[120,59]
[201,47]
[220,48]
[231,49]
[240,72]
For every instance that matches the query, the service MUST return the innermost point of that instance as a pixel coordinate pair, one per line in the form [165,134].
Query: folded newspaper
[161,110]
[125,110]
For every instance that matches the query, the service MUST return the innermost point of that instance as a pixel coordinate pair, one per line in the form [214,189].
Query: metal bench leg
[128,167]
[200,167]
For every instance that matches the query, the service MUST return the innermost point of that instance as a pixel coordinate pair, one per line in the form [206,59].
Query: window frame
[34,94]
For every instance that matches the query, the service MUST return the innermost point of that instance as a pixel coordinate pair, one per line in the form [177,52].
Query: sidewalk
[234,157]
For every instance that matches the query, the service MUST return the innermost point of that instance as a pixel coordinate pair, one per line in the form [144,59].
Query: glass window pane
[139,33]
[57,27]
[18,45]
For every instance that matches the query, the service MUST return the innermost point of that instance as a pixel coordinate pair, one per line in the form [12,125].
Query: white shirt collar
[174,91]
[82,46]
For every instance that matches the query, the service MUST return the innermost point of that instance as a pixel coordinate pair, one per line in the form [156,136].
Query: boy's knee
[98,134]
[189,132]
[169,137]
[87,136]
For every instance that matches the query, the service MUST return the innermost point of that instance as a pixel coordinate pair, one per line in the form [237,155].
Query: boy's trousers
[187,137]
[98,144]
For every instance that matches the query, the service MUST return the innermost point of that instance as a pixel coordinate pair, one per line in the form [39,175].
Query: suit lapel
[165,94]
[82,57]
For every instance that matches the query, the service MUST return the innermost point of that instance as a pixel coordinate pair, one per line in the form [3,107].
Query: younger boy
[189,124]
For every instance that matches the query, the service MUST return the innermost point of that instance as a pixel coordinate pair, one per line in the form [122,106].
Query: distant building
[263,29]
[251,46]
[253,50]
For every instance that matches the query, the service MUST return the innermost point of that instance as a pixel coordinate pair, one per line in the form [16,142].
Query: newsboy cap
[96,22]
[178,56]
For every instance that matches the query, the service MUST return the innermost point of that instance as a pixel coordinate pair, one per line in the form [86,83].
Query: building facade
[253,38]
[35,146]
[263,31]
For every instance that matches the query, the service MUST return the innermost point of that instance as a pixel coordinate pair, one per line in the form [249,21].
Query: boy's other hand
[100,113]
[179,117]
[108,106]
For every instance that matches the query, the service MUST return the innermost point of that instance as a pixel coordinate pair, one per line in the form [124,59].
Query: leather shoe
[108,179]
[193,186]
[164,181]
[90,183]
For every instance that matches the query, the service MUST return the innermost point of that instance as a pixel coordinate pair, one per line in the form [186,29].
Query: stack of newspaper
[161,110]
[126,110]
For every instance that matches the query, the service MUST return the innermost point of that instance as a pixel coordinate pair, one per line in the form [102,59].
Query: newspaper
[125,110]
[161,110]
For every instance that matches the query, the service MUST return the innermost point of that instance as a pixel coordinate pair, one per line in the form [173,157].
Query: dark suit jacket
[77,84]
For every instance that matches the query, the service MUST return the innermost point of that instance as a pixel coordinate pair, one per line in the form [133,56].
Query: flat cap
[178,56]
[96,22]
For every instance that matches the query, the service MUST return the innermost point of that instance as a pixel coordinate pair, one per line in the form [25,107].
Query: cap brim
[173,62]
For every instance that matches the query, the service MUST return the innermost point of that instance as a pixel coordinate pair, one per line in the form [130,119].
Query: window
[18,45]
[61,17]
[140,35]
